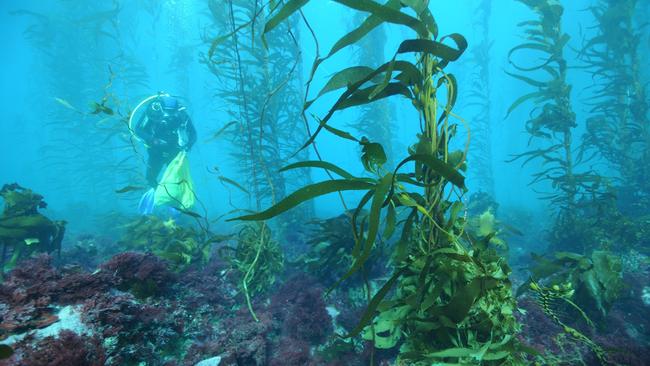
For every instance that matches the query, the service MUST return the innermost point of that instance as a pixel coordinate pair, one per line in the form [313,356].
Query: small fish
[221,130]
[232,182]
[129,189]
[191,213]
[66,104]
[101,108]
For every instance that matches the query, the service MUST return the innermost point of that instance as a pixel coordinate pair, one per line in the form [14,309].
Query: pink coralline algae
[245,341]
[134,329]
[300,307]
[30,293]
[68,349]
[143,274]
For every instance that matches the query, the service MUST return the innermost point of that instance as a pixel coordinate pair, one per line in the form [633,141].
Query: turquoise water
[240,182]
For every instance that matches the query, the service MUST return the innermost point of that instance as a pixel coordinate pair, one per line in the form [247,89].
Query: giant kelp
[452,301]
[618,126]
[479,97]
[552,121]
[83,44]
[264,96]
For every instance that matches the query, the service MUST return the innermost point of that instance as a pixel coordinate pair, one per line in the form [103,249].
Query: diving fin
[145,207]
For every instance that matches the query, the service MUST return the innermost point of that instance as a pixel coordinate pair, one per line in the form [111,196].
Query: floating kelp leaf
[353,96]
[417,5]
[523,98]
[319,164]
[339,133]
[380,192]
[391,222]
[422,8]
[233,183]
[289,8]
[369,314]
[434,48]
[387,77]
[368,25]
[366,96]
[408,201]
[437,165]
[388,14]
[459,306]
[130,189]
[345,77]
[530,81]
[307,193]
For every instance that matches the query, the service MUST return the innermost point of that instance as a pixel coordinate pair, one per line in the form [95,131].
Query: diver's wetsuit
[165,132]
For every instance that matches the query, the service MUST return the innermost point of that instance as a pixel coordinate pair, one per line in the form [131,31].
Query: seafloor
[133,310]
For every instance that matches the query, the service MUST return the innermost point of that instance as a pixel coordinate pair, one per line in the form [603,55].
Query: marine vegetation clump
[597,279]
[329,255]
[573,286]
[23,229]
[181,246]
[548,297]
[257,259]
[448,299]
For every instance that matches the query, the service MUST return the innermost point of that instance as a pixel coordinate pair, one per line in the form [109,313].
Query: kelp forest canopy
[296,182]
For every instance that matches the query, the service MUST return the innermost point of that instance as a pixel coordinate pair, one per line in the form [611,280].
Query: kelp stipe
[256,258]
[452,301]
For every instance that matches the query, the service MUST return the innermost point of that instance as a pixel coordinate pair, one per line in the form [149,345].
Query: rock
[214,361]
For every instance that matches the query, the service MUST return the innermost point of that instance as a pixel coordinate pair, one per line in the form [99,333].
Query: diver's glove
[147,202]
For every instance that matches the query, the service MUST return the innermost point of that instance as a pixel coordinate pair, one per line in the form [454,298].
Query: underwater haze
[325,182]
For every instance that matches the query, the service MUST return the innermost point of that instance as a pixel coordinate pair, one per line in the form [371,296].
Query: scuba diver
[166,129]
[168,134]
